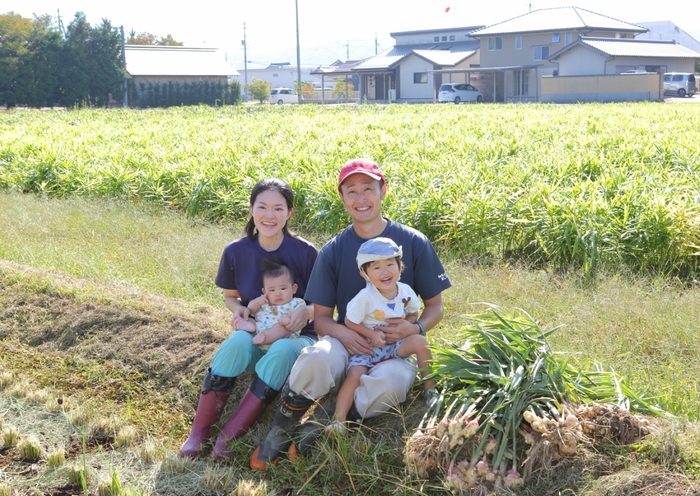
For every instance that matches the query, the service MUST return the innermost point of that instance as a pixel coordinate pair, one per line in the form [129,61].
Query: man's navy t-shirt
[335,279]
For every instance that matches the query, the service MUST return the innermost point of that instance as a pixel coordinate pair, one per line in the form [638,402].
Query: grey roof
[436,31]
[558,19]
[452,46]
[150,60]
[625,47]
[443,57]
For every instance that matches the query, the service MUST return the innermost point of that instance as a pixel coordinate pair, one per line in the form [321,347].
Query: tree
[151,39]
[76,62]
[41,67]
[107,74]
[307,89]
[259,89]
[15,31]
[342,89]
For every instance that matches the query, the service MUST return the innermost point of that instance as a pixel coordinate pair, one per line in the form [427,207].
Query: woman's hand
[298,319]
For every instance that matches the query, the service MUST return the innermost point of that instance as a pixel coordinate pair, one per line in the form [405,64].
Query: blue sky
[328,30]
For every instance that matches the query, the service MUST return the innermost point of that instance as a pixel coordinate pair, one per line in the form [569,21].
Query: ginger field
[572,186]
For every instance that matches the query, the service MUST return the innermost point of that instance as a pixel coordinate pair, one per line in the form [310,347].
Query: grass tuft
[218,478]
[29,449]
[10,437]
[126,437]
[175,465]
[113,487]
[6,379]
[57,458]
[248,487]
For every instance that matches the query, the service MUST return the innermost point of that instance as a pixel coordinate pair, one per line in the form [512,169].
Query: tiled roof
[558,19]
[618,47]
[379,62]
[149,60]
[624,47]
[443,57]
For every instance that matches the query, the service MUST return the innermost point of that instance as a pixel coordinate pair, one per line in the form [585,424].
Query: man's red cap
[360,166]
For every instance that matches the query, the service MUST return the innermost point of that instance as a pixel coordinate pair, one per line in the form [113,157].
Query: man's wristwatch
[421,328]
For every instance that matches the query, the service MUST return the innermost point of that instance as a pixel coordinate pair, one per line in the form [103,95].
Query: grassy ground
[111,309]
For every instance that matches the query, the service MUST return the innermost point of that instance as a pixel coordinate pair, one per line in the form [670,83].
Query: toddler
[379,261]
[273,306]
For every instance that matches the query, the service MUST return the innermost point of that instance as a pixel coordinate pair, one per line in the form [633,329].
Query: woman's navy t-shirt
[240,268]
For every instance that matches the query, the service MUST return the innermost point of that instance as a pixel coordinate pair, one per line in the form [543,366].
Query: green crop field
[109,314]
[573,186]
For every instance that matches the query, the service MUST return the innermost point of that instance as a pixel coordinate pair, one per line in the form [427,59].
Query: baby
[379,261]
[272,307]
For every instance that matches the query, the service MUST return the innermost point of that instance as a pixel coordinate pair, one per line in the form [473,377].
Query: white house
[280,75]
[596,56]
[406,72]
[667,31]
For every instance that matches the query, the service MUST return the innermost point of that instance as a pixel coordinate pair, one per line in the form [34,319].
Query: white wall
[421,37]
[581,61]
[666,30]
[409,90]
[279,78]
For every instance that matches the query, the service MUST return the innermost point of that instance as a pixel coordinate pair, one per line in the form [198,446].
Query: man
[334,281]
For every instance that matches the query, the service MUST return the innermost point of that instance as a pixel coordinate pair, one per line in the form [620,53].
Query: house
[152,65]
[666,30]
[593,56]
[281,75]
[521,46]
[407,72]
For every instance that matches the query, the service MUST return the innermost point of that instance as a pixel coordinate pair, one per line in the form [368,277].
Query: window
[420,78]
[555,38]
[274,75]
[541,52]
[452,37]
[444,38]
[517,75]
[437,38]
[496,43]
[567,38]
[518,42]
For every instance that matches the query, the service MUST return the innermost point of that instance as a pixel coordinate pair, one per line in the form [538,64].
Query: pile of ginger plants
[510,406]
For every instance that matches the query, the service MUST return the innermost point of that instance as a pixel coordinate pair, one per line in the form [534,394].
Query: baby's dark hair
[273,267]
[398,261]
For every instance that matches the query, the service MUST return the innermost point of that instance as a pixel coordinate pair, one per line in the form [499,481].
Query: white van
[679,82]
[284,95]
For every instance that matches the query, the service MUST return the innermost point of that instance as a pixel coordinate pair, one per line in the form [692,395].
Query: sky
[328,30]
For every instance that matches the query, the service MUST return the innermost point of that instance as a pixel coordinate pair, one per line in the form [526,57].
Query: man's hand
[297,319]
[398,329]
[353,342]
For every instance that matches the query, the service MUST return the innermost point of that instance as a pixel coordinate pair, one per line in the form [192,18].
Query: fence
[330,97]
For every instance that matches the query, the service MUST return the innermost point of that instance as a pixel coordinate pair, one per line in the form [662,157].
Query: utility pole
[376,44]
[347,52]
[126,87]
[245,65]
[296,5]
[60,22]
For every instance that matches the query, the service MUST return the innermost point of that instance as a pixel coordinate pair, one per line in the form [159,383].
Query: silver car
[680,83]
[459,92]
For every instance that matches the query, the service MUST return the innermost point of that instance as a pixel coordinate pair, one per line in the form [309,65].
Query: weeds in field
[574,186]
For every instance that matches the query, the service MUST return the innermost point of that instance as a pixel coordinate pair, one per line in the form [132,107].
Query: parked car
[284,95]
[681,83]
[459,92]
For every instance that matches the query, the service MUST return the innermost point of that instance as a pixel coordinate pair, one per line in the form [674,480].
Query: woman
[240,275]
